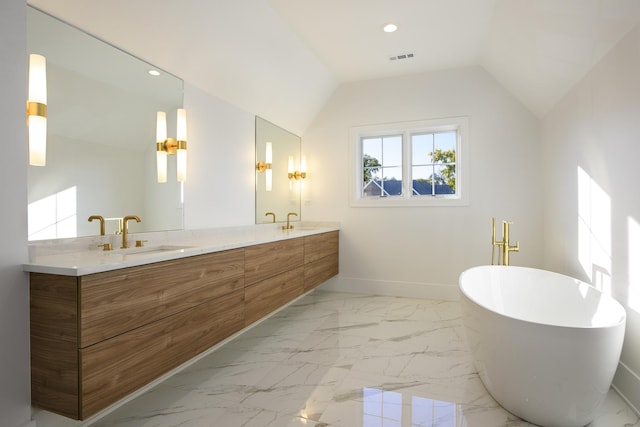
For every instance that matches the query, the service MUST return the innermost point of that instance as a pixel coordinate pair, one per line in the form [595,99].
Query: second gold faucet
[125,230]
[289,226]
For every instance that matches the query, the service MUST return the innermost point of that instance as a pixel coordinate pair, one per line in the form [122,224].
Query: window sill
[414,202]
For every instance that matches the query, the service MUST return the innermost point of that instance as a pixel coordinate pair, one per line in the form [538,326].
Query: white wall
[426,248]
[15,396]
[220,187]
[259,64]
[592,207]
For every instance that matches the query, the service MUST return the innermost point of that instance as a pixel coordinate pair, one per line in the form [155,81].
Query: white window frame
[406,129]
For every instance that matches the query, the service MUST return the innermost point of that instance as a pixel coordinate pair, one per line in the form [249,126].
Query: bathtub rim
[622,319]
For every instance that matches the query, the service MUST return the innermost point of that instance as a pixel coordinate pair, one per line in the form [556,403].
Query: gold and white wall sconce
[37,110]
[266,167]
[294,174]
[171,146]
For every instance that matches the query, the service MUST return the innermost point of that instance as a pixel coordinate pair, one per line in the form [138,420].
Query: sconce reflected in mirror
[37,110]
[279,199]
[266,167]
[173,146]
[295,175]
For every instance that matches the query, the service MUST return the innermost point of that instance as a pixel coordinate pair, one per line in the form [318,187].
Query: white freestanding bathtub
[546,346]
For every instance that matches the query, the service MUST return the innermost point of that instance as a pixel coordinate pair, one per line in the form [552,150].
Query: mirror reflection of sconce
[266,167]
[294,174]
[177,146]
[37,110]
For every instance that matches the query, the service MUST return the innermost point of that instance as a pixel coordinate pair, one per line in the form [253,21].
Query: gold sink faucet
[125,230]
[504,244]
[101,219]
[289,226]
[271,213]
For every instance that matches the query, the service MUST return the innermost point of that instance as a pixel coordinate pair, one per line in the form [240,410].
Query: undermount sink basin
[147,250]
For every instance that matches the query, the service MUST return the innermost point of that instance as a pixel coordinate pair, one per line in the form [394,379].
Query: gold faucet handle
[105,246]
[140,243]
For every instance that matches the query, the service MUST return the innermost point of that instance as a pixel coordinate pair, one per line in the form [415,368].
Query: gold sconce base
[36,109]
[171,145]
[297,175]
[262,166]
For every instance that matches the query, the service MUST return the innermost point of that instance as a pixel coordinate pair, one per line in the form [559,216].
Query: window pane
[392,151]
[371,162]
[372,147]
[421,183]
[392,173]
[382,166]
[444,178]
[444,148]
[445,141]
[392,181]
[421,148]
[371,173]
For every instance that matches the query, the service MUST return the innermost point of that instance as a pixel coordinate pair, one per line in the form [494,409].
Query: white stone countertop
[82,256]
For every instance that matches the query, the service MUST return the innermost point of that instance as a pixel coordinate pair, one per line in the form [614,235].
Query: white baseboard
[391,288]
[627,384]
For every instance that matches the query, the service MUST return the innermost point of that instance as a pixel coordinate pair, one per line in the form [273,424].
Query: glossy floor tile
[337,360]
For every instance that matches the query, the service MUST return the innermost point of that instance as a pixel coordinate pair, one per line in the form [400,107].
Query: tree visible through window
[382,166]
[433,163]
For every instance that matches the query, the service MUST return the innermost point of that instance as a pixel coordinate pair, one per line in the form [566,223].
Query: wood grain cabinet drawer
[318,246]
[112,369]
[117,301]
[270,294]
[269,259]
[318,272]
[321,258]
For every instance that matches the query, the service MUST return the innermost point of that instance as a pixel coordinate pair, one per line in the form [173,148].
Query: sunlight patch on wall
[594,231]
[633,298]
[54,216]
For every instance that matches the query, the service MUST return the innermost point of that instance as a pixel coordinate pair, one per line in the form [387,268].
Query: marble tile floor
[337,360]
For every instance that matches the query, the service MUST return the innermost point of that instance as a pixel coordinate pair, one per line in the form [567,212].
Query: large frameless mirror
[102,105]
[281,196]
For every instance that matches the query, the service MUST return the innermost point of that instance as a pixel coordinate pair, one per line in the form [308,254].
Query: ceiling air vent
[401,57]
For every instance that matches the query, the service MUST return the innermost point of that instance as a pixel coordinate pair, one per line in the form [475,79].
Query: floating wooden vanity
[97,338]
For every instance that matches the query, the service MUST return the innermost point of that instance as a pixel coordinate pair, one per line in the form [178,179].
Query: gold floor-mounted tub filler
[504,245]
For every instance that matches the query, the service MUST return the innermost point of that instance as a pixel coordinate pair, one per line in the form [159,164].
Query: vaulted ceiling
[282,59]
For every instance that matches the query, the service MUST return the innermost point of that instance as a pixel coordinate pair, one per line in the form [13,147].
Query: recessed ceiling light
[390,28]
[154,72]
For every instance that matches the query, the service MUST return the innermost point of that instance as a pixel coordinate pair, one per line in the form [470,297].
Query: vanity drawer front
[320,271]
[114,302]
[318,246]
[266,296]
[268,259]
[112,369]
